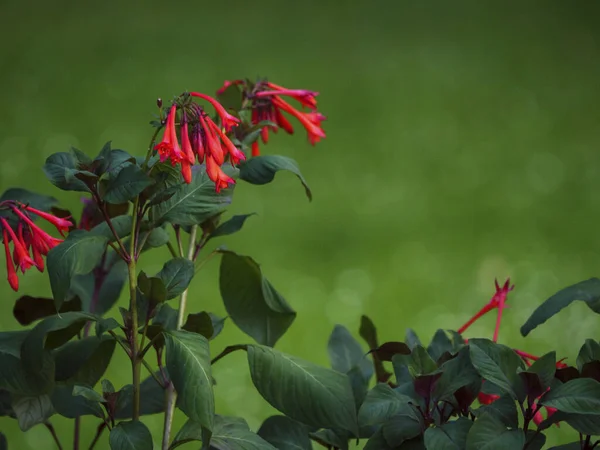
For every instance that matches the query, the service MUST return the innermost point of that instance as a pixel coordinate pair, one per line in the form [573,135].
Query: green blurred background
[462,145]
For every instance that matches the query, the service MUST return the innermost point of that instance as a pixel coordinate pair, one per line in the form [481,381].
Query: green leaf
[50,333]
[3,442]
[378,442]
[450,436]
[56,168]
[337,439]
[84,361]
[193,203]
[345,353]
[28,309]
[303,391]
[544,368]
[489,433]
[579,396]
[152,399]
[381,404]
[457,372]
[535,440]
[71,406]
[153,288]
[440,344]
[587,291]
[104,325]
[207,324]
[130,182]
[497,364]
[262,169]
[188,363]
[31,411]
[402,427]
[130,436]
[412,340]
[78,254]
[571,446]
[157,238]
[503,409]
[584,423]
[253,304]
[121,224]
[229,433]
[87,393]
[590,351]
[176,274]
[231,226]
[285,434]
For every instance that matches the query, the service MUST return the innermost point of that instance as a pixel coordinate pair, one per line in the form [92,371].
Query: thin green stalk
[171,394]
[52,431]
[135,361]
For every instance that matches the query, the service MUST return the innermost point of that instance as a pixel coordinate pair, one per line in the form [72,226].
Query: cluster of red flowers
[30,243]
[267,105]
[498,302]
[201,139]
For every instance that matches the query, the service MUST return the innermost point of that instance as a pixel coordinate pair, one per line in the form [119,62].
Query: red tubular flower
[216,174]
[197,144]
[234,154]
[227,119]
[310,121]
[13,278]
[20,254]
[228,83]
[486,399]
[255,149]
[165,147]
[213,146]
[61,224]
[186,171]
[186,145]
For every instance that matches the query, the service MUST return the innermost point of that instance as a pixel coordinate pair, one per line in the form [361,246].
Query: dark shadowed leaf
[87,393]
[571,446]
[412,339]
[337,439]
[152,399]
[489,433]
[231,226]
[497,364]
[57,168]
[188,363]
[155,238]
[450,436]
[368,332]
[253,304]
[378,442]
[28,309]
[121,225]
[503,409]
[439,344]
[535,441]
[544,369]
[176,274]
[381,404]
[587,291]
[130,436]
[303,391]
[130,181]
[50,333]
[193,203]
[208,325]
[457,372]
[402,427]
[31,411]
[3,442]
[104,325]
[71,406]
[285,434]
[153,288]
[78,254]
[83,361]
[579,396]
[262,169]
[590,351]
[386,351]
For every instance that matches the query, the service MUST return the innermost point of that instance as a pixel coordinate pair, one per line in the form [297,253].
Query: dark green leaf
[193,203]
[87,393]
[412,339]
[584,423]
[503,409]
[587,291]
[251,301]
[157,238]
[579,396]
[153,288]
[28,309]
[104,325]
[231,97]
[535,441]
[57,167]
[262,169]
[302,390]
[188,363]
[107,387]
[387,350]
[130,436]
[31,411]
[78,254]
[450,436]
[285,434]
[571,446]
[497,364]
[381,404]
[328,438]
[50,333]
[457,372]
[83,361]
[229,433]
[402,427]
[439,344]
[176,274]
[206,324]
[129,182]
[3,442]
[489,433]
[590,351]
[378,442]
[345,353]
[121,224]
[152,399]
[231,226]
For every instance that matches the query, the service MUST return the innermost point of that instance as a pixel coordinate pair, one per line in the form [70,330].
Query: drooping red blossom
[486,399]
[169,148]
[228,83]
[228,121]
[30,243]
[216,174]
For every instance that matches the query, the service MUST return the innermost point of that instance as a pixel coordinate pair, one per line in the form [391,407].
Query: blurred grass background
[462,145]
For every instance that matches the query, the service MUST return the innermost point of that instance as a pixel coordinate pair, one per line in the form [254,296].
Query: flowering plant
[456,393]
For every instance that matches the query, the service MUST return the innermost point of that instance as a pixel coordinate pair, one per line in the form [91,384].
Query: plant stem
[53,433]
[171,394]
[135,361]
[76,433]
[228,350]
[101,428]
